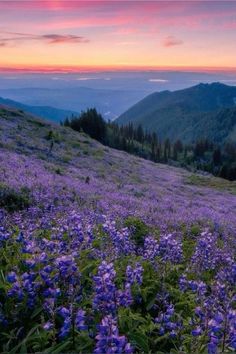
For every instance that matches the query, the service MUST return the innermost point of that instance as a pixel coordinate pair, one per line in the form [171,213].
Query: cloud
[158,80]
[86,78]
[57,38]
[171,41]
[47,38]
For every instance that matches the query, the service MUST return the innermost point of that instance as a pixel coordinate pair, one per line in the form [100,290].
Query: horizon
[80,70]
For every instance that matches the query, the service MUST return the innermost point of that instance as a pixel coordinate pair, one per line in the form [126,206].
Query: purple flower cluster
[206,255]
[4,236]
[151,248]
[121,241]
[108,339]
[196,286]
[105,289]
[134,275]
[168,324]
[66,315]
[170,248]
[68,269]
[80,320]
[216,319]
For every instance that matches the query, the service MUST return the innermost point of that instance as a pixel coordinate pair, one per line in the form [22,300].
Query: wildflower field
[102,252]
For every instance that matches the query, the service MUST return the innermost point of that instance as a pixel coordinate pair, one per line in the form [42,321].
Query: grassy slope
[150,190]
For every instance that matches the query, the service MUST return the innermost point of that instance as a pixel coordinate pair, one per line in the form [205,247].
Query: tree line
[204,155]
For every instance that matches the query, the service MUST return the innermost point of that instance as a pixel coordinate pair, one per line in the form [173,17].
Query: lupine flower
[64,312]
[16,291]
[124,297]
[65,328]
[68,269]
[170,248]
[167,321]
[206,255]
[134,275]
[105,289]
[151,248]
[48,326]
[197,331]
[109,340]
[120,238]
[11,277]
[4,235]
[80,320]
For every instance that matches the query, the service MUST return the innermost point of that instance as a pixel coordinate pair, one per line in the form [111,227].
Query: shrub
[139,229]
[12,200]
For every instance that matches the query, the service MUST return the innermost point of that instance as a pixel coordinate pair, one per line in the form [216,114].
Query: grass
[212,182]
[37,123]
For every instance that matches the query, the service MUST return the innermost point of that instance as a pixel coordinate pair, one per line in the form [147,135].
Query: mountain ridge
[170,113]
[45,112]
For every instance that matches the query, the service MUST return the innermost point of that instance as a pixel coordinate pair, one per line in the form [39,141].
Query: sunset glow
[99,35]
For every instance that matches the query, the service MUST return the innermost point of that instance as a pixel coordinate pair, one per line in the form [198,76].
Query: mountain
[109,102]
[46,112]
[204,110]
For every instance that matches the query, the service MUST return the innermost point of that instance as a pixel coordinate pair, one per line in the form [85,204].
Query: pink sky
[117,34]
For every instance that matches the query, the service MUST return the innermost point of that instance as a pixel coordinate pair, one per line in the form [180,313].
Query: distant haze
[112,93]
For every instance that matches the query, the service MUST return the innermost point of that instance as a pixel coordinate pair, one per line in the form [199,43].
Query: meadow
[104,252]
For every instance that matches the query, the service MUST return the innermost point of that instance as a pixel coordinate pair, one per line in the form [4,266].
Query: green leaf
[36,312]
[161,338]
[139,340]
[151,302]
[60,348]
[88,269]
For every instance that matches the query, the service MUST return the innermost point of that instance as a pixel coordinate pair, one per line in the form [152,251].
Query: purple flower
[64,312]
[109,340]
[105,289]
[134,275]
[48,326]
[196,332]
[65,328]
[11,277]
[80,320]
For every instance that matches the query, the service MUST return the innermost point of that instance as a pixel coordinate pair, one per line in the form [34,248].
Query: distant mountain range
[109,102]
[46,112]
[201,111]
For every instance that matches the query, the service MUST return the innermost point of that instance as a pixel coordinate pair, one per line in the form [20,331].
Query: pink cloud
[69,38]
[89,21]
[48,38]
[76,14]
[171,41]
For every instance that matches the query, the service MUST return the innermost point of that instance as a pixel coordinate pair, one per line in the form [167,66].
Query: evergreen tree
[216,157]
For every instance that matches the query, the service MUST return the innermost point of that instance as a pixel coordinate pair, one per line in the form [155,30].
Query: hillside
[101,251]
[138,182]
[202,111]
[45,112]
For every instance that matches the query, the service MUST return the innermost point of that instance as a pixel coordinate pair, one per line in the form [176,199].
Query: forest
[202,155]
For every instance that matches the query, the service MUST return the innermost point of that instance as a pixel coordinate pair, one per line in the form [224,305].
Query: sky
[117,35]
